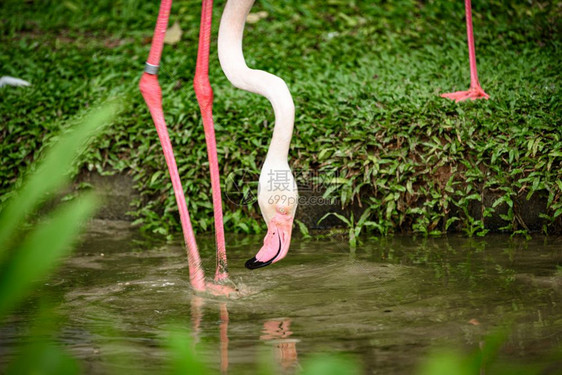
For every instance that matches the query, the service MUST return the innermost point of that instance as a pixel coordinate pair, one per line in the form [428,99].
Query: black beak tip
[253,263]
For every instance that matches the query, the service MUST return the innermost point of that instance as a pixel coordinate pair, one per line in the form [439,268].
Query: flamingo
[277,199]
[475,91]
[277,192]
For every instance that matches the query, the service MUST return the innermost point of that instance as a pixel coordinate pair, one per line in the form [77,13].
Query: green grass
[365,77]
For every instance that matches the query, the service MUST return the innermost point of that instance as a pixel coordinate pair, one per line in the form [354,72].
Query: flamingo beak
[276,242]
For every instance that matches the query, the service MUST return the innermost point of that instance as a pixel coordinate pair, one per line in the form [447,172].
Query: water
[387,304]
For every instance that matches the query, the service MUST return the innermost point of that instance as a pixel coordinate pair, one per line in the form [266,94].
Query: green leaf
[324,154]
[329,365]
[364,216]
[244,227]
[183,359]
[450,221]
[42,250]
[339,216]
[52,172]
[499,201]
[390,209]
[303,229]
[44,358]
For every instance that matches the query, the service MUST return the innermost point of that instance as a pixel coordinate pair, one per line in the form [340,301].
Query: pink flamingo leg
[204,94]
[475,91]
[152,95]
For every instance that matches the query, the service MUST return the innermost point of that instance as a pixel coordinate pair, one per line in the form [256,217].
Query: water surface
[387,304]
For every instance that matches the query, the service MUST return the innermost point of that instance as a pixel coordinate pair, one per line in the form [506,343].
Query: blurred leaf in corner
[182,357]
[33,256]
[51,173]
[39,353]
[42,250]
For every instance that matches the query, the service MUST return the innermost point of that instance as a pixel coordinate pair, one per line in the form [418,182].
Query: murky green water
[388,304]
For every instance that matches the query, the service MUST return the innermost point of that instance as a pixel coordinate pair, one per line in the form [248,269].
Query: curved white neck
[257,81]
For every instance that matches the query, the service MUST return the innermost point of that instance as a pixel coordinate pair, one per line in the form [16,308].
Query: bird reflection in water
[275,332]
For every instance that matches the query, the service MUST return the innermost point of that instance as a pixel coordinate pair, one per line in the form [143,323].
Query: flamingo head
[278,238]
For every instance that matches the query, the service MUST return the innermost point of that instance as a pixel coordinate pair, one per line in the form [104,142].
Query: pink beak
[276,242]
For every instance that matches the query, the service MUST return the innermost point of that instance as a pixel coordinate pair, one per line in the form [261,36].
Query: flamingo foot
[221,275]
[224,289]
[473,93]
[221,290]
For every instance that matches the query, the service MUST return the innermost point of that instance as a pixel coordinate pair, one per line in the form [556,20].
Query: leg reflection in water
[196,316]
[224,338]
[197,304]
[277,332]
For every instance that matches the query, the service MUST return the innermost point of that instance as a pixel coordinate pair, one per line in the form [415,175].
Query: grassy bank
[365,79]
